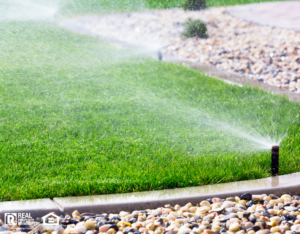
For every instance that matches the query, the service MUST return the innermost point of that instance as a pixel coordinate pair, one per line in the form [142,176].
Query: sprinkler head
[275,160]
[160,57]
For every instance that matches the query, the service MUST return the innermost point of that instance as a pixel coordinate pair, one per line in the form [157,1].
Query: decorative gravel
[261,214]
[267,54]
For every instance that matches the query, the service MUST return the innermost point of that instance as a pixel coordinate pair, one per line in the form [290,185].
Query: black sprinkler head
[275,160]
[160,56]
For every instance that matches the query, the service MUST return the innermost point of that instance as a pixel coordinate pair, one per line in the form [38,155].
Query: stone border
[113,203]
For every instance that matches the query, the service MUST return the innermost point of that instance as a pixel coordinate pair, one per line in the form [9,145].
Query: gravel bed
[267,54]
[261,214]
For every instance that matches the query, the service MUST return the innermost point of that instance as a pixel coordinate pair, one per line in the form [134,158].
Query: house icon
[53,219]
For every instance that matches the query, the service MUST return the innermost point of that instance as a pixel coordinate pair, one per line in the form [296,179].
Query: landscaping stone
[190,219]
[246,196]
[264,53]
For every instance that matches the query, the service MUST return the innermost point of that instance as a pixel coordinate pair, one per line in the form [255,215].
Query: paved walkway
[284,14]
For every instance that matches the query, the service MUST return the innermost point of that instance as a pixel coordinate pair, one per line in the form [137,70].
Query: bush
[194,5]
[195,28]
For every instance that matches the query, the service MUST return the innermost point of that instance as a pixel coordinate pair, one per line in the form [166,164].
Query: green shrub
[194,5]
[195,28]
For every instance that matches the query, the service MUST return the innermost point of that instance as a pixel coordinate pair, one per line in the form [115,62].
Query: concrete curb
[236,79]
[114,203]
[152,199]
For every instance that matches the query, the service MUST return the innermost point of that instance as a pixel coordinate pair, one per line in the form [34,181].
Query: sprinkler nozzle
[160,56]
[275,160]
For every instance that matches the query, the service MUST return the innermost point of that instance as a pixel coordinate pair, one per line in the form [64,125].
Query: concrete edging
[236,79]
[114,203]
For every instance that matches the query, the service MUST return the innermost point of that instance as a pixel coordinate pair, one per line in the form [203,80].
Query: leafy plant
[194,28]
[194,5]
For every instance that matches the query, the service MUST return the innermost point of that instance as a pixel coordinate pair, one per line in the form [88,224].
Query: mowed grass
[108,6]
[82,117]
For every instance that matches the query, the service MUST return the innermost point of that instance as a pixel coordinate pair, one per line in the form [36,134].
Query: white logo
[52,219]
[10,218]
[17,217]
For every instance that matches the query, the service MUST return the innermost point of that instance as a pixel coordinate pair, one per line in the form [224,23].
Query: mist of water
[243,137]
[252,138]
[24,10]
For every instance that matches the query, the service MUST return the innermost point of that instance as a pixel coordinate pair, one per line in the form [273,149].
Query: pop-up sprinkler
[275,160]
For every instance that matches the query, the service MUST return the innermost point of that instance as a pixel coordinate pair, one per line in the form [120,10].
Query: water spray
[275,160]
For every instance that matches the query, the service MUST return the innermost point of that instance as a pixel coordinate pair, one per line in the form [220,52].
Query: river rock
[104,228]
[228,217]
[234,227]
[246,196]
[184,230]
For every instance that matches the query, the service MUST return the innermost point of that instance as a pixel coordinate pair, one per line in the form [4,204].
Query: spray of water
[24,10]
[231,132]
[255,140]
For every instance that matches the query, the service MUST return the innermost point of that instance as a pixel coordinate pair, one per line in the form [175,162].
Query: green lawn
[80,117]
[96,6]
